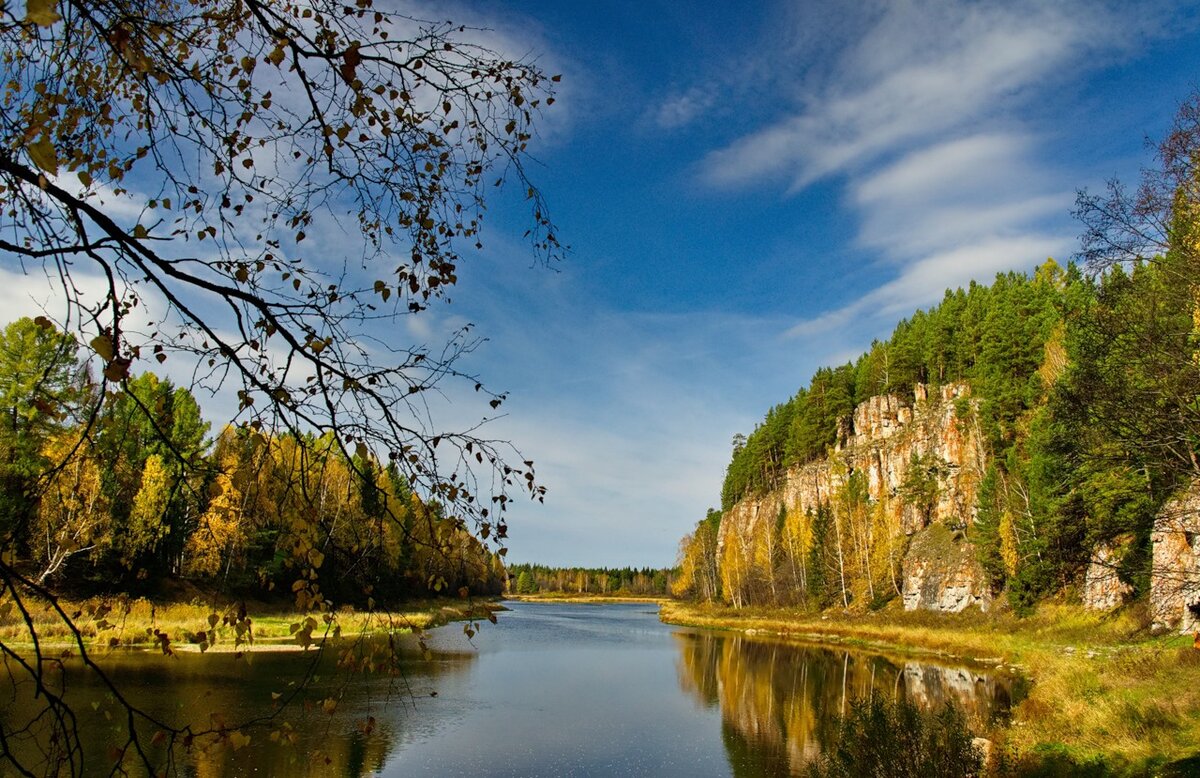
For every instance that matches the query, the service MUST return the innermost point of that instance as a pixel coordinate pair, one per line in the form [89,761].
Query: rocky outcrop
[884,437]
[1103,589]
[1175,568]
[887,433]
[942,573]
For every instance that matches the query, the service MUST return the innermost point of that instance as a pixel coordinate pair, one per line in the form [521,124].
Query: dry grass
[1101,686]
[121,621]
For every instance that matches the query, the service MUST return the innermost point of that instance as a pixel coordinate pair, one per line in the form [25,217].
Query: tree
[919,488]
[163,165]
[145,526]
[72,515]
[39,385]
[219,533]
[699,564]
[1131,398]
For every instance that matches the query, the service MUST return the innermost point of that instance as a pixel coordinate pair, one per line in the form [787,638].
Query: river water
[551,689]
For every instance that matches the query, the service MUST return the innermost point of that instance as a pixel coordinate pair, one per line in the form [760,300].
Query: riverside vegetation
[1021,459]
[138,494]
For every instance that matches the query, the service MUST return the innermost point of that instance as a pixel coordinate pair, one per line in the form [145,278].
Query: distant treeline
[124,497]
[647,581]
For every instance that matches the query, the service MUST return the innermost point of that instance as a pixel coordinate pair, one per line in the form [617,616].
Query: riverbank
[124,622]
[1103,691]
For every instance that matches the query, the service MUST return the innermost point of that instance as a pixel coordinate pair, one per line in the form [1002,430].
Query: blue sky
[751,191]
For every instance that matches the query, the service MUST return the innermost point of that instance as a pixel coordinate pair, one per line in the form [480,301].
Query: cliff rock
[1175,569]
[942,573]
[884,437]
[1103,590]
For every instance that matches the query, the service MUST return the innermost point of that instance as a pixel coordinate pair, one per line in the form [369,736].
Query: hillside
[1016,441]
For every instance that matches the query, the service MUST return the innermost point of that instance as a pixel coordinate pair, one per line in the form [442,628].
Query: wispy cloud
[680,108]
[623,411]
[917,118]
[923,280]
[955,193]
[917,70]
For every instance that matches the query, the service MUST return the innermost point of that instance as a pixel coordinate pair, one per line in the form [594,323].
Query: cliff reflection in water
[780,702]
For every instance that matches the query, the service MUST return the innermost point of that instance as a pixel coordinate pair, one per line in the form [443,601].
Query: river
[551,689]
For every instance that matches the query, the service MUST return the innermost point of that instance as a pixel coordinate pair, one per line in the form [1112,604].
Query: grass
[120,621]
[1103,689]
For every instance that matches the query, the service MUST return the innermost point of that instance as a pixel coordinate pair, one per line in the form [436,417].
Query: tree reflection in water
[371,713]
[781,702]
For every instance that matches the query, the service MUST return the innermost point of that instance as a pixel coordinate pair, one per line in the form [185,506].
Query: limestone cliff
[1103,589]
[1175,568]
[885,437]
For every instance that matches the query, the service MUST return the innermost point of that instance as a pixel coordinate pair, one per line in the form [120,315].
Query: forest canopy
[124,500]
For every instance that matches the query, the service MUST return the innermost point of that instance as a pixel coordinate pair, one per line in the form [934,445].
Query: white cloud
[953,193]
[920,69]
[950,167]
[920,109]
[680,109]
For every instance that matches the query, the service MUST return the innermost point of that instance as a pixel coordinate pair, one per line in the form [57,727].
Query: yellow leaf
[103,346]
[238,740]
[329,706]
[41,12]
[44,155]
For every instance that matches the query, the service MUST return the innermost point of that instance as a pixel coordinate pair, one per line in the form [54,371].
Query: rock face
[942,573]
[1175,569]
[1103,590]
[880,441]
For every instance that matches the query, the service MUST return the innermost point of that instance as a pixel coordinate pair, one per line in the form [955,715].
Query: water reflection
[347,722]
[552,689]
[780,702]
